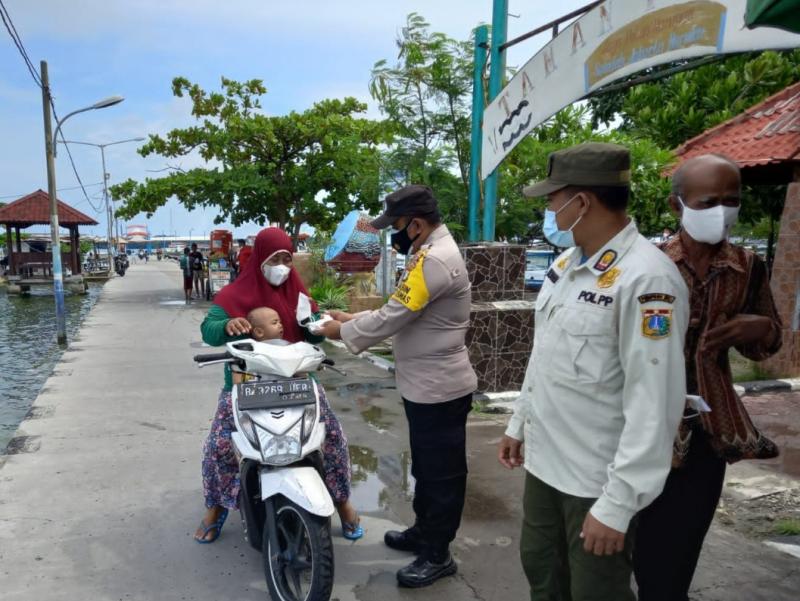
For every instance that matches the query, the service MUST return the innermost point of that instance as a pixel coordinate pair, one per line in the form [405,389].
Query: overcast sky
[304,51]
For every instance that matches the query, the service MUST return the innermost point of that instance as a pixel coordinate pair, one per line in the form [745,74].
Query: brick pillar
[785,286]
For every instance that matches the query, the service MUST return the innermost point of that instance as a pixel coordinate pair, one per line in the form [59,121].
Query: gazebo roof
[764,140]
[34,209]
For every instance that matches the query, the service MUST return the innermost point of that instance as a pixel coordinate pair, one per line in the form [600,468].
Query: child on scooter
[266,325]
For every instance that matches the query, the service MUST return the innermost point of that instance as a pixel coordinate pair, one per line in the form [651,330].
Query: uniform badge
[412,291]
[656,297]
[608,278]
[656,323]
[562,263]
[606,260]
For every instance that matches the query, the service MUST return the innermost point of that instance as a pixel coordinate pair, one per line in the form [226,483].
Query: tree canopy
[311,167]
[425,95]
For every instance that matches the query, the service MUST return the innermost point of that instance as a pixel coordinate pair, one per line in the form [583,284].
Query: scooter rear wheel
[302,567]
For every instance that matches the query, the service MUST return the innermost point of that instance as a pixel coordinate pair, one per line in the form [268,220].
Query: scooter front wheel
[301,569]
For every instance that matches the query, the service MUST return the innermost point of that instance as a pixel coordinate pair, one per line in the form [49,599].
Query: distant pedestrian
[732,307]
[604,388]
[196,260]
[244,254]
[186,270]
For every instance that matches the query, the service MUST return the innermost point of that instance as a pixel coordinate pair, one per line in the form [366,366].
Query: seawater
[28,349]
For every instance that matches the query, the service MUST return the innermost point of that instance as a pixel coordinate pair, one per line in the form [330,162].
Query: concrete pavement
[102,494]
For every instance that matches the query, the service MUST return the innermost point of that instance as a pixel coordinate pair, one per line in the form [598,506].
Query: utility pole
[497,60]
[479,65]
[58,276]
[108,212]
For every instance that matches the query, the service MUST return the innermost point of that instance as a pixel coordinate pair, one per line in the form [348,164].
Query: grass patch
[787,527]
[745,370]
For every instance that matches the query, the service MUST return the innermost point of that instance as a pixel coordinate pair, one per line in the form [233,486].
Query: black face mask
[401,241]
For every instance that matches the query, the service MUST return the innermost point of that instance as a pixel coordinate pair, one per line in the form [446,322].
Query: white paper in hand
[698,403]
[306,318]
[304,314]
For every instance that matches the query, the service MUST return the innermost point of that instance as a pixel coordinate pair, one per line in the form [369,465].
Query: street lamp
[50,152]
[109,215]
[106,102]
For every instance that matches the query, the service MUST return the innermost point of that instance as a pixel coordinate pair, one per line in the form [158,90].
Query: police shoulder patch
[656,323]
[656,297]
[412,291]
[552,275]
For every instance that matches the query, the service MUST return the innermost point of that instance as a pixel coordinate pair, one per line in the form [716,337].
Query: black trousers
[438,437]
[671,530]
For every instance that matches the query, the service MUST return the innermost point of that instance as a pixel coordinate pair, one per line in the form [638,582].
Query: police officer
[428,317]
[604,389]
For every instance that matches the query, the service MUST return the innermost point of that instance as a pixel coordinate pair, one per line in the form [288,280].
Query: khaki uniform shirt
[428,317]
[605,387]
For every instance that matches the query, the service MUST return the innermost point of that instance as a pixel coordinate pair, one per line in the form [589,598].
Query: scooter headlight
[281,449]
[248,428]
[309,418]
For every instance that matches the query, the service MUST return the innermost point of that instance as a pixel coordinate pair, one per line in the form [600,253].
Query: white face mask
[710,226]
[275,274]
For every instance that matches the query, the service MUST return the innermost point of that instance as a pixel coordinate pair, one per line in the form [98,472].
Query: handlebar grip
[212,357]
[329,362]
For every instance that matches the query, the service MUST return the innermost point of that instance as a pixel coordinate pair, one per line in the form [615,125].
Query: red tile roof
[34,209]
[766,133]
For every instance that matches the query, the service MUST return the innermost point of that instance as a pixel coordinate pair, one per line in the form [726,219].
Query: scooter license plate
[272,394]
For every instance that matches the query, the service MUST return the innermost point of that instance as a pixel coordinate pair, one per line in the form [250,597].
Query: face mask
[401,241]
[276,274]
[710,226]
[557,237]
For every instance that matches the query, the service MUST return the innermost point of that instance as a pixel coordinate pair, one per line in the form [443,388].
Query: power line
[59,190]
[12,31]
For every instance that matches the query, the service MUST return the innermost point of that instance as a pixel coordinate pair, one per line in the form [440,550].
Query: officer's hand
[341,316]
[742,329]
[331,329]
[599,538]
[237,326]
[509,452]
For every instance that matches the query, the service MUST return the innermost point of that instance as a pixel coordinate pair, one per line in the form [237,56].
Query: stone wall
[500,337]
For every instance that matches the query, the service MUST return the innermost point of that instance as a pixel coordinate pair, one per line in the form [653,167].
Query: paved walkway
[102,495]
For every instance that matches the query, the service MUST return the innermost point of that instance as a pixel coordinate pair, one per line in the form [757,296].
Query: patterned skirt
[221,470]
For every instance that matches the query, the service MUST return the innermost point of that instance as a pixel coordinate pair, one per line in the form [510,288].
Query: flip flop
[215,526]
[352,530]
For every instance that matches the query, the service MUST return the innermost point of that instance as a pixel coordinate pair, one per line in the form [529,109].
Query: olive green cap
[587,164]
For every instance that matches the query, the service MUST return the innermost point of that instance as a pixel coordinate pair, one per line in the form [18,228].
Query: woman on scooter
[268,280]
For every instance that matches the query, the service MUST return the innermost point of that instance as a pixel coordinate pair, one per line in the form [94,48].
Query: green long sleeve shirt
[213,332]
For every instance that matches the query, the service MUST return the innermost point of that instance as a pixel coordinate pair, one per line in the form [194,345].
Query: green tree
[426,95]
[676,108]
[528,162]
[311,167]
[679,107]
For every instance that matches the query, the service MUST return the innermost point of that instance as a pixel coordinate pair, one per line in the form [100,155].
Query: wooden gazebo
[764,141]
[34,209]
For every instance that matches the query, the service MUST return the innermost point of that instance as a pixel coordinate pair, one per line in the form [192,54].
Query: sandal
[352,530]
[215,526]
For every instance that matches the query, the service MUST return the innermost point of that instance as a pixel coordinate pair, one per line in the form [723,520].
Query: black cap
[414,200]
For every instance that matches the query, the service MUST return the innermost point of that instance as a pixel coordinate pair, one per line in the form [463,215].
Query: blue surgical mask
[557,237]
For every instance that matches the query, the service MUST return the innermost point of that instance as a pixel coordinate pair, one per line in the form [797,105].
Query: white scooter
[285,506]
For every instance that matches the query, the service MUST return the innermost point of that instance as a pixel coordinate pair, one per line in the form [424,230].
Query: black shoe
[407,540]
[424,572]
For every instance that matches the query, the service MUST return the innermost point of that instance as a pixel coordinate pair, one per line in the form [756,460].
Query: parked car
[537,262]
